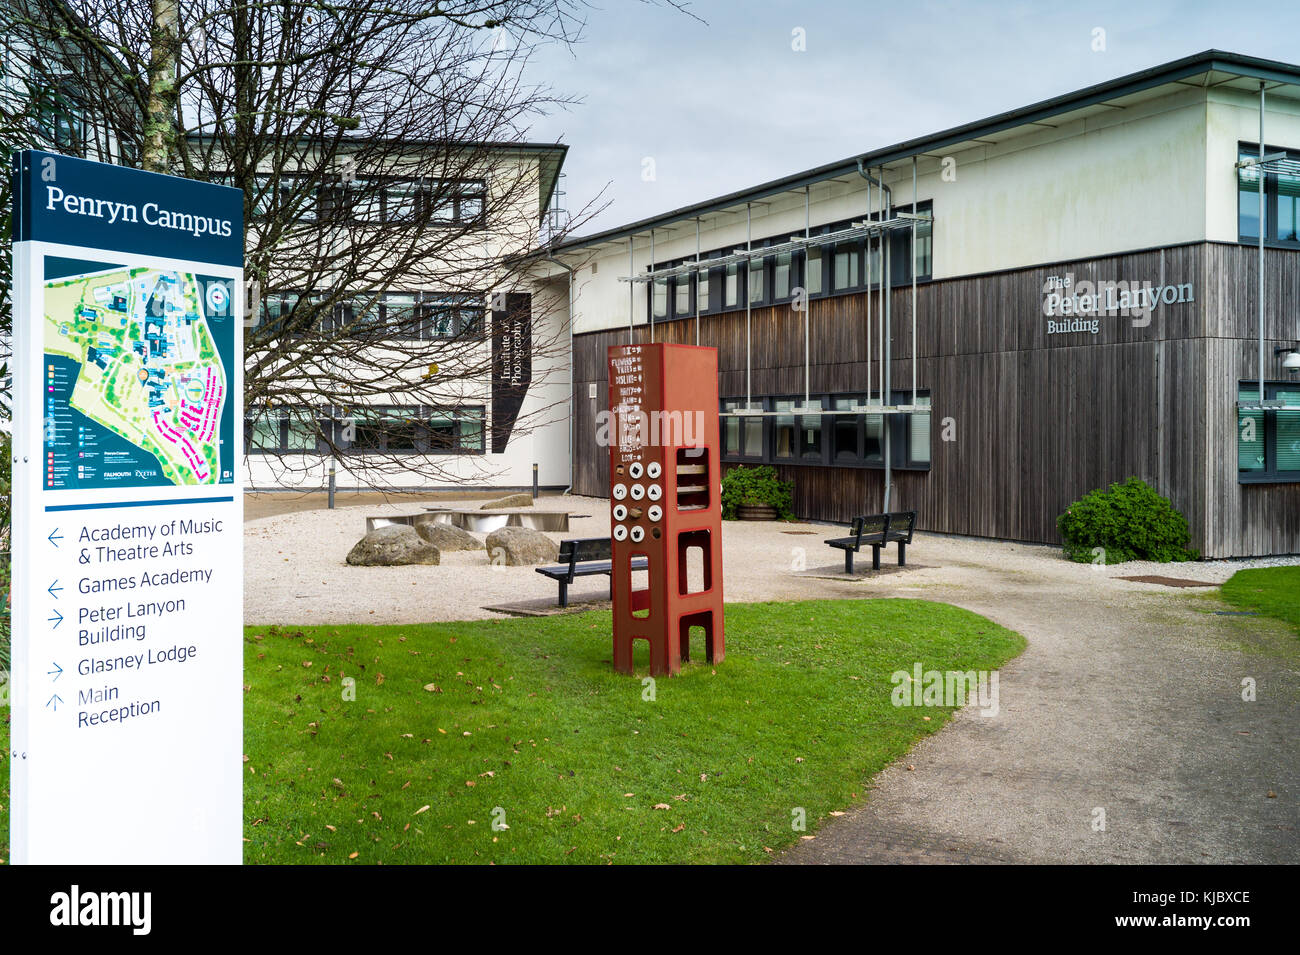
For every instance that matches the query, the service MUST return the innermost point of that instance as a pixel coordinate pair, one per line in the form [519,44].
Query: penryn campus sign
[128,582]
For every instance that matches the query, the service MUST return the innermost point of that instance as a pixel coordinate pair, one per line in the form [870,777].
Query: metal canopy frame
[901,220]
[887,221]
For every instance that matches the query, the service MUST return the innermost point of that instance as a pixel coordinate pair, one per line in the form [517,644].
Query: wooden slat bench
[585,557]
[877,531]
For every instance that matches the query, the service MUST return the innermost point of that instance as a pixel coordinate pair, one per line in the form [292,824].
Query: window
[293,431]
[660,295]
[757,271]
[386,200]
[742,437]
[450,315]
[411,429]
[813,280]
[682,295]
[58,118]
[781,276]
[837,436]
[731,287]
[797,437]
[847,435]
[1281,201]
[918,434]
[1268,440]
[847,266]
[702,289]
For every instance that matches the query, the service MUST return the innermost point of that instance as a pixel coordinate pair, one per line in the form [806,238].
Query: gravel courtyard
[1125,707]
[295,570]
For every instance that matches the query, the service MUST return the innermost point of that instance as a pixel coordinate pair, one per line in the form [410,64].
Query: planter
[756,512]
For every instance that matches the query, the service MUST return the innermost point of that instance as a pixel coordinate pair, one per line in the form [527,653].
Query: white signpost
[127,541]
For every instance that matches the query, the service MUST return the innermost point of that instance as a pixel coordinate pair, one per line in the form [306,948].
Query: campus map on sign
[137,387]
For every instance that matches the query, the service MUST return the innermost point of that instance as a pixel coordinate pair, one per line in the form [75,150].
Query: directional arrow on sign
[56,620]
[55,537]
[52,588]
[54,701]
[56,672]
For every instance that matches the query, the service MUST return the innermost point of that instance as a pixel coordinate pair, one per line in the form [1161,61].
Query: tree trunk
[165,45]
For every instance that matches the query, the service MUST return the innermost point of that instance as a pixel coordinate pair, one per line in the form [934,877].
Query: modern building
[985,323]
[427,359]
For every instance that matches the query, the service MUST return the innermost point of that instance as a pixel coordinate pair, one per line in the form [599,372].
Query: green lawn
[1274,591]
[526,718]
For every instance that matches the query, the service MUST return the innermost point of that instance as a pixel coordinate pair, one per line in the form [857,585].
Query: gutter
[572,408]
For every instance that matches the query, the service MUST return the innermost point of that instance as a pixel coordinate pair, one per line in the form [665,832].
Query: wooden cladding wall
[1038,419]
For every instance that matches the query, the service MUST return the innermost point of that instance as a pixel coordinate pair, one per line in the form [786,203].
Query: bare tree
[392,196]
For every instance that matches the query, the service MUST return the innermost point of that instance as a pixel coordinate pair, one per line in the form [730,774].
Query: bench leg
[564,593]
[848,561]
[902,554]
[875,556]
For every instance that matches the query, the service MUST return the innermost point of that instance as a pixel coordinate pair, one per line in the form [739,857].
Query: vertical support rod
[914,223]
[749,233]
[884,398]
[654,284]
[1260,177]
[807,304]
[697,280]
[887,347]
[867,245]
[631,288]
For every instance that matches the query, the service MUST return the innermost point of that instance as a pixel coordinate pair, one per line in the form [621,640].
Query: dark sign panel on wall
[512,363]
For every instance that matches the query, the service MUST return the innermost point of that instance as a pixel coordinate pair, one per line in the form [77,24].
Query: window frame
[1270,217]
[1270,474]
[900,432]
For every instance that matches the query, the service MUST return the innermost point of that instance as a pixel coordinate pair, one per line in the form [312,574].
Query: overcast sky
[727,103]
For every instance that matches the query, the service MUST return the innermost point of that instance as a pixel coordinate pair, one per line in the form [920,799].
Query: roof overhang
[1210,69]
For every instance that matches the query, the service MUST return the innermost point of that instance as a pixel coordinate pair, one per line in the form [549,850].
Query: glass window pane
[1250,433]
[660,298]
[1287,430]
[810,436]
[757,278]
[683,293]
[399,314]
[471,209]
[1248,200]
[846,430]
[874,439]
[399,426]
[702,290]
[302,432]
[846,267]
[471,429]
[731,287]
[919,434]
[367,319]
[266,433]
[784,438]
[781,276]
[813,278]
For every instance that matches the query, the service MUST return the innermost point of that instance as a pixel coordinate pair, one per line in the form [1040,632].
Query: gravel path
[1127,700]
[295,570]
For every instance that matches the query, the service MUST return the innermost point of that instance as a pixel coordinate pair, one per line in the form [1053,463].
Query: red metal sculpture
[665,489]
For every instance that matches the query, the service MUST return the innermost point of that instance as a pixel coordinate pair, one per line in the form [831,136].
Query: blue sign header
[102,206]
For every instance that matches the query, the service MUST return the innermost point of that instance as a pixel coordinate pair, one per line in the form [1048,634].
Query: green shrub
[1130,521]
[756,486]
